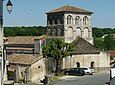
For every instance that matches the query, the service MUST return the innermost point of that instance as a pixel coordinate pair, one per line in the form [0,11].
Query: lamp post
[9,8]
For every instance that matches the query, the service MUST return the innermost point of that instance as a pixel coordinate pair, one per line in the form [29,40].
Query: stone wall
[100,61]
[38,71]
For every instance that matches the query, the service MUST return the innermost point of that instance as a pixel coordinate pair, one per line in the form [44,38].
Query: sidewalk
[27,84]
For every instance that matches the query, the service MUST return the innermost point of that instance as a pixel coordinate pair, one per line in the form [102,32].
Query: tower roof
[69,9]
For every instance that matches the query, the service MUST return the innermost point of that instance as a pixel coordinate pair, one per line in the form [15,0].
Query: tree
[97,32]
[99,43]
[57,49]
[109,42]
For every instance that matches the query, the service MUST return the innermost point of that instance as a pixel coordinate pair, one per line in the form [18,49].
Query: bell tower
[70,22]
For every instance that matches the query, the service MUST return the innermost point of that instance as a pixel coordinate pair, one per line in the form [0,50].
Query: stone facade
[79,27]
[38,71]
[100,62]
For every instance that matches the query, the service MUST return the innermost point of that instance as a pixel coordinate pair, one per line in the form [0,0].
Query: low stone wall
[102,69]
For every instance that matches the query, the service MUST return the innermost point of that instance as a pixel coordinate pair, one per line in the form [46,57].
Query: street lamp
[9,6]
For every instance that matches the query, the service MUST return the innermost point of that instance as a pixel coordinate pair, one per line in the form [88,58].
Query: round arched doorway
[78,64]
[92,64]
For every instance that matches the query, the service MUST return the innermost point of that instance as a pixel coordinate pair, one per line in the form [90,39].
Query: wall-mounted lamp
[9,6]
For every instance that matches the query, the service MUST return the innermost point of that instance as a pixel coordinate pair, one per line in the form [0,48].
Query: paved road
[0,76]
[96,79]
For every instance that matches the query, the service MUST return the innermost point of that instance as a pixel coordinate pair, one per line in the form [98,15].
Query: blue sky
[32,12]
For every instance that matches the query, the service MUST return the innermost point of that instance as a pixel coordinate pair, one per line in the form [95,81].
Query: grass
[55,78]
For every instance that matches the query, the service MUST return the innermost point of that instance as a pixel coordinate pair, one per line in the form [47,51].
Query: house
[26,68]
[24,58]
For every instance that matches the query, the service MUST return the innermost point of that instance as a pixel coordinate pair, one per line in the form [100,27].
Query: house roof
[26,59]
[15,48]
[23,39]
[84,47]
[69,9]
[111,52]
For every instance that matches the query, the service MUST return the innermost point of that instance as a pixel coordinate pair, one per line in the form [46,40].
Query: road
[96,79]
[0,76]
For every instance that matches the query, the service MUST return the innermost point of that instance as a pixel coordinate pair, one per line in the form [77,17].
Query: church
[73,25]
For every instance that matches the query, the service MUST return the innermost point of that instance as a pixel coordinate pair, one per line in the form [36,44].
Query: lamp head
[9,6]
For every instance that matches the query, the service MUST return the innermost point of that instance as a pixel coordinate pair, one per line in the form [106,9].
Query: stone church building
[73,25]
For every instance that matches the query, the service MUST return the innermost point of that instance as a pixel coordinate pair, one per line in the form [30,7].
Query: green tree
[24,31]
[109,42]
[99,43]
[97,32]
[57,49]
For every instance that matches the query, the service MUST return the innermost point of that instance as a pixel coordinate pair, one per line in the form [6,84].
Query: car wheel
[88,73]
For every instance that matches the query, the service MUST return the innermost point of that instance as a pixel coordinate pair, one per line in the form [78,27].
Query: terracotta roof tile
[69,9]
[112,54]
[23,39]
[26,59]
[84,47]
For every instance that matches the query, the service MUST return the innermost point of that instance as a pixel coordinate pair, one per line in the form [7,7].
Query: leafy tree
[24,31]
[109,42]
[97,32]
[57,49]
[108,31]
[99,43]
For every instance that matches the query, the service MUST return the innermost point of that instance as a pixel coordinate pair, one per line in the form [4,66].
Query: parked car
[88,71]
[74,71]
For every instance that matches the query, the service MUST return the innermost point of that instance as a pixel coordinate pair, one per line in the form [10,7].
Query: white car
[88,71]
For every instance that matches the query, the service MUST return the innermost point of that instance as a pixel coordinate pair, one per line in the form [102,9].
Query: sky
[32,12]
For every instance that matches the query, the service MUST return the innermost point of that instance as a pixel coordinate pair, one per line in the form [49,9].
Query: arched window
[54,32]
[78,32]
[77,20]
[69,19]
[58,32]
[48,31]
[85,20]
[92,64]
[86,32]
[53,22]
[50,21]
[78,65]
[56,21]
[70,32]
